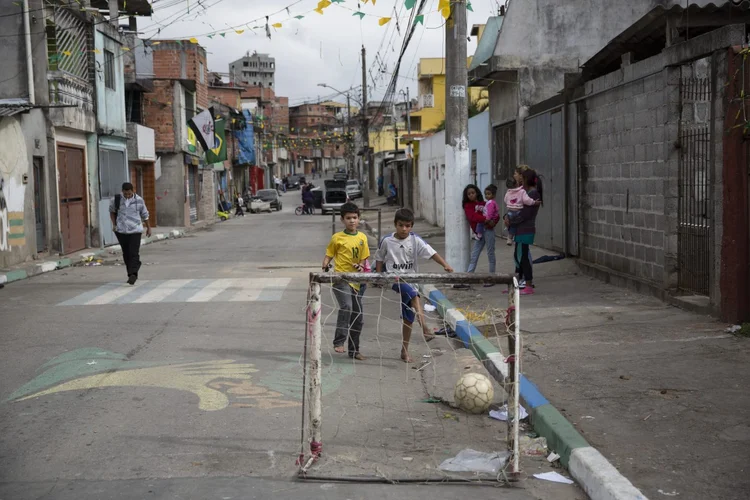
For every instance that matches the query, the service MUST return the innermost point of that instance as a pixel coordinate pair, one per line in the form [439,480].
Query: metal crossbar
[417,278]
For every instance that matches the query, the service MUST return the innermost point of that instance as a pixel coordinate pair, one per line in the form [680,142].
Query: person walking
[129,214]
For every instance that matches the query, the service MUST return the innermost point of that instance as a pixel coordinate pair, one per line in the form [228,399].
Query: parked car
[271,196]
[295,181]
[256,205]
[334,195]
[353,189]
[340,176]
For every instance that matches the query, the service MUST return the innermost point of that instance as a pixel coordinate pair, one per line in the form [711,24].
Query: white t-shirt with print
[401,256]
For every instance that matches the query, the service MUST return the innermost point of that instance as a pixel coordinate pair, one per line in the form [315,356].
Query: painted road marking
[185,290]
[161,292]
[211,290]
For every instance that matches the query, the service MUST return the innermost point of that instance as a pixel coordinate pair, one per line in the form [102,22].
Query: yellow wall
[383,139]
[434,68]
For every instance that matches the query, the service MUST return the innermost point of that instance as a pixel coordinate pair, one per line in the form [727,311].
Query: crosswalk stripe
[185,290]
[161,292]
[211,290]
[112,295]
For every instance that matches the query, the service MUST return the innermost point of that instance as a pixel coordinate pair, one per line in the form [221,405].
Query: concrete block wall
[622,173]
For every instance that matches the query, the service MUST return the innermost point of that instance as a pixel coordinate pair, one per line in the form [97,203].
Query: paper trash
[429,307]
[475,461]
[502,413]
[554,477]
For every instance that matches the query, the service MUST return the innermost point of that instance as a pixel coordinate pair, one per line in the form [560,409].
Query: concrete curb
[37,268]
[599,478]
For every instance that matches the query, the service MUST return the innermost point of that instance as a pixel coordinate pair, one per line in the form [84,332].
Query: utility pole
[408,110]
[349,166]
[457,169]
[365,136]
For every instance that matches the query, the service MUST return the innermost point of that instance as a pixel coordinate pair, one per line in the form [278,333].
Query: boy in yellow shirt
[348,250]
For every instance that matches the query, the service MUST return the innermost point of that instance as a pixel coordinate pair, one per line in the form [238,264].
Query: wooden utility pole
[457,169]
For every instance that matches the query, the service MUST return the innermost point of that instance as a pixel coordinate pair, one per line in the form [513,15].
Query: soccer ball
[474,393]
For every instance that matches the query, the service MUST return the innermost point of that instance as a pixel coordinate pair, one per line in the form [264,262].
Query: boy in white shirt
[399,253]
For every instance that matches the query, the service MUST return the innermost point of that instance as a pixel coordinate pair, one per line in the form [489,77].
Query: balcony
[66,89]
[426,101]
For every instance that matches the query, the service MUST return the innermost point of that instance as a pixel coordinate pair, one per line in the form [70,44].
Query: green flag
[219,153]
[409,4]
[419,20]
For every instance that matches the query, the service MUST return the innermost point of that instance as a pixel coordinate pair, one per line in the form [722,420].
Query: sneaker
[522,284]
[131,279]
[510,240]
[526,291]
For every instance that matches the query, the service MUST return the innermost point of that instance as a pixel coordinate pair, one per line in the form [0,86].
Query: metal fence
[694,209]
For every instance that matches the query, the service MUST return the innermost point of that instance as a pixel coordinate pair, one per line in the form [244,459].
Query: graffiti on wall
[13,168]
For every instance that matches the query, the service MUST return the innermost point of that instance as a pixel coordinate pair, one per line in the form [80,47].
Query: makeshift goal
[384,419]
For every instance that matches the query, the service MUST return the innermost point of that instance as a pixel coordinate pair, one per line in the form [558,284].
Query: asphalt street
[188,385]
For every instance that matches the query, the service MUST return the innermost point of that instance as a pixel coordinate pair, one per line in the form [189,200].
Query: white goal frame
[505,370]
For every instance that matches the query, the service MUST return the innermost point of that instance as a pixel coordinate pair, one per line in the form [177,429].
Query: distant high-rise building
[253,70]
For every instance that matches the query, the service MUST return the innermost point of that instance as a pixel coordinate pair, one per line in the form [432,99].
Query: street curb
[48,266]
[598,478]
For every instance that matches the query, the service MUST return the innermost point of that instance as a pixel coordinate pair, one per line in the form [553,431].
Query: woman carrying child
[482,219]
[524,223]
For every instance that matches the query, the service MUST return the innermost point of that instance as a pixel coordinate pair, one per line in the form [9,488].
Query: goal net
[381,418]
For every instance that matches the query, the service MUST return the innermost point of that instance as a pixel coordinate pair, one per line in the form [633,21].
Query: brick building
[184,194]
[227,101]
[309,117]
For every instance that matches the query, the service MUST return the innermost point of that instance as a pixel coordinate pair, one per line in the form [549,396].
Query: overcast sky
[317,48]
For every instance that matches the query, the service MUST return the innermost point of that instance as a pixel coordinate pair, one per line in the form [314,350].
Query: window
[245,63]
[109,69]
[272,65]
[201,72]
[189,105]
[134,106]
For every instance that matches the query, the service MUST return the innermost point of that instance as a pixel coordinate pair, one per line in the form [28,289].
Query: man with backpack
[129,213]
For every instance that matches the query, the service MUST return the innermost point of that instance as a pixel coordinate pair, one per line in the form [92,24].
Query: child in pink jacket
[515,198]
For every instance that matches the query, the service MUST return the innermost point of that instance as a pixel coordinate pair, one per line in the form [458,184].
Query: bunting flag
[299,17]
[194,40]
[384,20]
[360,14]
[409,4]
[239,32]
[419,19]
[276,25]
[468,7]
[444,6]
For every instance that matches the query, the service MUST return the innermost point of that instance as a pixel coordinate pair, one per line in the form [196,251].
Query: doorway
[72,187]
[39,205]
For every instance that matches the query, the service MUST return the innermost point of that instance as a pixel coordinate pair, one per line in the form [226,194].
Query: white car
[353,189]
[334,195]
[256,205]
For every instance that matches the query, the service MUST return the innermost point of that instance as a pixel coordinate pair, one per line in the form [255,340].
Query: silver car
[353,189]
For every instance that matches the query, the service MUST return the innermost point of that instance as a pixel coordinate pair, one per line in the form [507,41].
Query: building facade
[180,92]
[253,70]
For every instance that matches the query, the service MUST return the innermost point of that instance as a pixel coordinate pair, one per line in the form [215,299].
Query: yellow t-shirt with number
[347,249]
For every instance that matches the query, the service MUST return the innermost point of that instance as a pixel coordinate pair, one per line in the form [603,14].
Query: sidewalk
[54,263]
[662,393]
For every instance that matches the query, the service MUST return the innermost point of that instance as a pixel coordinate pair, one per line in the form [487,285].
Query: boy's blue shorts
[408,292]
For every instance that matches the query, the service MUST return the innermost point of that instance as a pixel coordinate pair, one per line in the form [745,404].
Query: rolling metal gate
[694,207]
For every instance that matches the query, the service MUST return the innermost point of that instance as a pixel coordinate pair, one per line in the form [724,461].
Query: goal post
[503,366]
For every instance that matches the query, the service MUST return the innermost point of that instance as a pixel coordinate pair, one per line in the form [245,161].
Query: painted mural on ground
[13,166]
[217,384]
